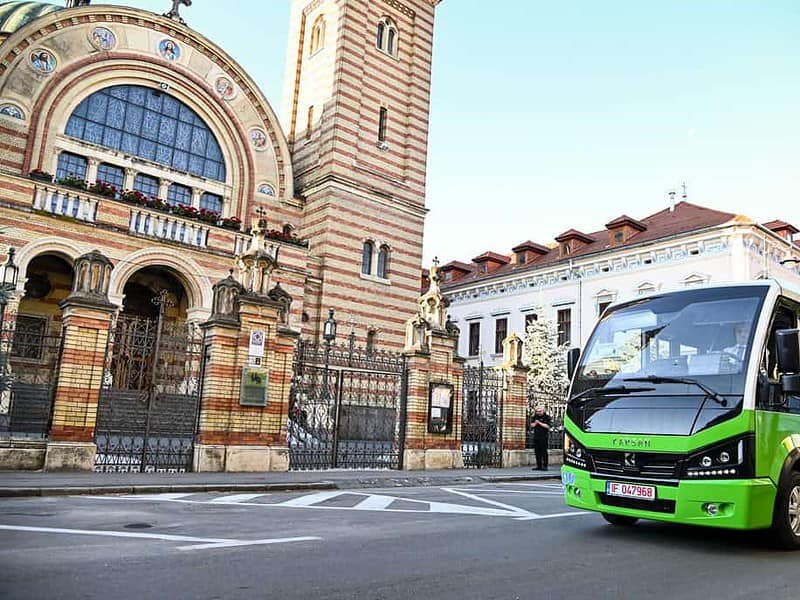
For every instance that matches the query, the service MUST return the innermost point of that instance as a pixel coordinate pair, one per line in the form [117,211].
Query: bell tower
[355,111]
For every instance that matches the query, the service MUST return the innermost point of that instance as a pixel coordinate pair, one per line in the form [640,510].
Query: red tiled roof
[683,218]
[457,266]
[574,234]
[533,246]
[493,256]
[779,225]
[626,220]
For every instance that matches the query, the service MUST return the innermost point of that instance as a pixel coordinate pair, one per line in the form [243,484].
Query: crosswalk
[471,501]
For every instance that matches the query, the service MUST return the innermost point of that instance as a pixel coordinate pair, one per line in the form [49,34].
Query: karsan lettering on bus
[630,443]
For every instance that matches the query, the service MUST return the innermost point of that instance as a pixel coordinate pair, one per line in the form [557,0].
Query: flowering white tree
[545,359]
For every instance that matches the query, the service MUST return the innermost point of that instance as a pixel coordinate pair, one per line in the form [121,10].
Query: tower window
[366,257]
[383,262]
[310,121]
[383,119]
[386,39]
[317,35]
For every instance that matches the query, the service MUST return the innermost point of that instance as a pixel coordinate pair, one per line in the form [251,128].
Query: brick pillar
[233,435]
[86,319]
[85,330]
[434,364]
[515,404]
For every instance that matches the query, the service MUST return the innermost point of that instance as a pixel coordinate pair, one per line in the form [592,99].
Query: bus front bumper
[729,503]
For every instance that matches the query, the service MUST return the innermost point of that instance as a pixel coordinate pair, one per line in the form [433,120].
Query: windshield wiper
[608,391]
[658,379]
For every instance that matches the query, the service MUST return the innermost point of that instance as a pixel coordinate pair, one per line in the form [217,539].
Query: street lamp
[8,282]
[329,329]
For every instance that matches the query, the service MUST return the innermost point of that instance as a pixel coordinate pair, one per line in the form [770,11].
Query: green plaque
[254,387]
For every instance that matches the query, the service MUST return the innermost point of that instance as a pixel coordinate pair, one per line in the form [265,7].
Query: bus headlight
[732,459]
[575,455]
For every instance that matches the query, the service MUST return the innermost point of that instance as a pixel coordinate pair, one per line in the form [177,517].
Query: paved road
[509,541]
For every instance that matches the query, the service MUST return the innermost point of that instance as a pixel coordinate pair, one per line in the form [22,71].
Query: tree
[545,359]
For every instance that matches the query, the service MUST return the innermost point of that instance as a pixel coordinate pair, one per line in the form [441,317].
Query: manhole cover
[138,526]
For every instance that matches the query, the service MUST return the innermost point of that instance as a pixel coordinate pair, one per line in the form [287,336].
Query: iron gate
[347,408]
[30,351]
[147,414]
[482,417]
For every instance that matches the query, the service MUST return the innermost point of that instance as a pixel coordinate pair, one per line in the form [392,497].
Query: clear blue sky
[552,115]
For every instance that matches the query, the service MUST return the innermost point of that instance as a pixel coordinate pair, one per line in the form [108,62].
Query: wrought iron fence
[30,350]
[554,405]
[347,408]
[482,417]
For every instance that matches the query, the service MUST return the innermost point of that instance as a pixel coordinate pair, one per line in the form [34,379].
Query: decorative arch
[317,35]
[189,273]
[48,245]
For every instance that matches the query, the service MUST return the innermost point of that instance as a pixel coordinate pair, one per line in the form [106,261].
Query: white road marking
[202,543]
[235,499]
[163,496]
[528,492]
[519,512]
[375,502]
[310,499]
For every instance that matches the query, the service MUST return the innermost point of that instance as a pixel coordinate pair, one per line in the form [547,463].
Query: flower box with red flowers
[101,188]
[234,223]
[40,175]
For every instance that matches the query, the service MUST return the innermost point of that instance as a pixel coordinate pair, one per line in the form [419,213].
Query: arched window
[149,124]
[317,35]
[366,257]
[383,262]
[387,37]
[146,184]
[111,174]
[179,194]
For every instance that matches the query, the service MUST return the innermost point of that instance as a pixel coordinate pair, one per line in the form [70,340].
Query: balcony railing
[168,227]
[65,203]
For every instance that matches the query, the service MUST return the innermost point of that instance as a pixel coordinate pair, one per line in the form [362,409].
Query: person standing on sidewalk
[540,425]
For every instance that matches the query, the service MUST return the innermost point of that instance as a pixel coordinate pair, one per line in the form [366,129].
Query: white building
[576,278]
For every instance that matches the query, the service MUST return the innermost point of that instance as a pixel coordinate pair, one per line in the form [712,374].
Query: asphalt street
[493,540]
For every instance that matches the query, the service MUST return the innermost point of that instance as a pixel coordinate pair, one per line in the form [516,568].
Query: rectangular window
[146,184]
[500,333]
[529,319]
[111,174]
[71,165]
[29,335]
[601,308]
[212,202]
[564,326]
[474,339]
[382,123]
[179,194]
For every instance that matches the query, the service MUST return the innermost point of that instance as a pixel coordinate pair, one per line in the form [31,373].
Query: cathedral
[141,166]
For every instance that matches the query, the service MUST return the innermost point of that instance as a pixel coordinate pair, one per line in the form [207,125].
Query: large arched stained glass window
[150,124]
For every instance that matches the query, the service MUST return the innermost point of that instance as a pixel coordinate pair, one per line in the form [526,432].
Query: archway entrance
[31,345]
[147,414]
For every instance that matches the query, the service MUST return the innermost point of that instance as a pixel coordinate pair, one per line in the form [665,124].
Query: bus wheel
[620,520]
[786,516]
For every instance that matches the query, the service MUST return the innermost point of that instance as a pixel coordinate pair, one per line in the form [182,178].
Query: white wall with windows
[574,293]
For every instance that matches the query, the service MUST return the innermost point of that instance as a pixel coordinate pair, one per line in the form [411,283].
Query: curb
[288,486]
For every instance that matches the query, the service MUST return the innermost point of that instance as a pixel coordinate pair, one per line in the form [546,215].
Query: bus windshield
[685,351]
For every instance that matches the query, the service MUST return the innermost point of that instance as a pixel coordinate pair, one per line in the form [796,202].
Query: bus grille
[650,465]
[659,506]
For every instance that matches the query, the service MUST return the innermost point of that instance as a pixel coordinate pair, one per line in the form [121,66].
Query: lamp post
[329,335]
[9,272]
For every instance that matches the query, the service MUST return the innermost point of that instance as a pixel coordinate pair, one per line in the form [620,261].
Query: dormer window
[520,258]
[387,38]
[618,236]
[565,249]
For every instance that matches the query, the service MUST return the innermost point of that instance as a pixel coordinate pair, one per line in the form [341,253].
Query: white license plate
[631,490]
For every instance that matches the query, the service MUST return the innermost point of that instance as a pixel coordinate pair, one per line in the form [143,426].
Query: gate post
[515,404]
[86,320]
[433,361]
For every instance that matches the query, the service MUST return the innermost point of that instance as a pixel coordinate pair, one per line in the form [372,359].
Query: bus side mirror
[787,351]
[573,354]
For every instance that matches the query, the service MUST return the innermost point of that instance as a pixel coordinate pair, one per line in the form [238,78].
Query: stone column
[91,170]
[86,319]
[515,404]
[130,176]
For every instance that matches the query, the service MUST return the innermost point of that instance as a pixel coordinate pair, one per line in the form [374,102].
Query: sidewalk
[35,483]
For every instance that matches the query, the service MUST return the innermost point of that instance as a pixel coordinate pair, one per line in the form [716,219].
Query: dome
[15,14]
